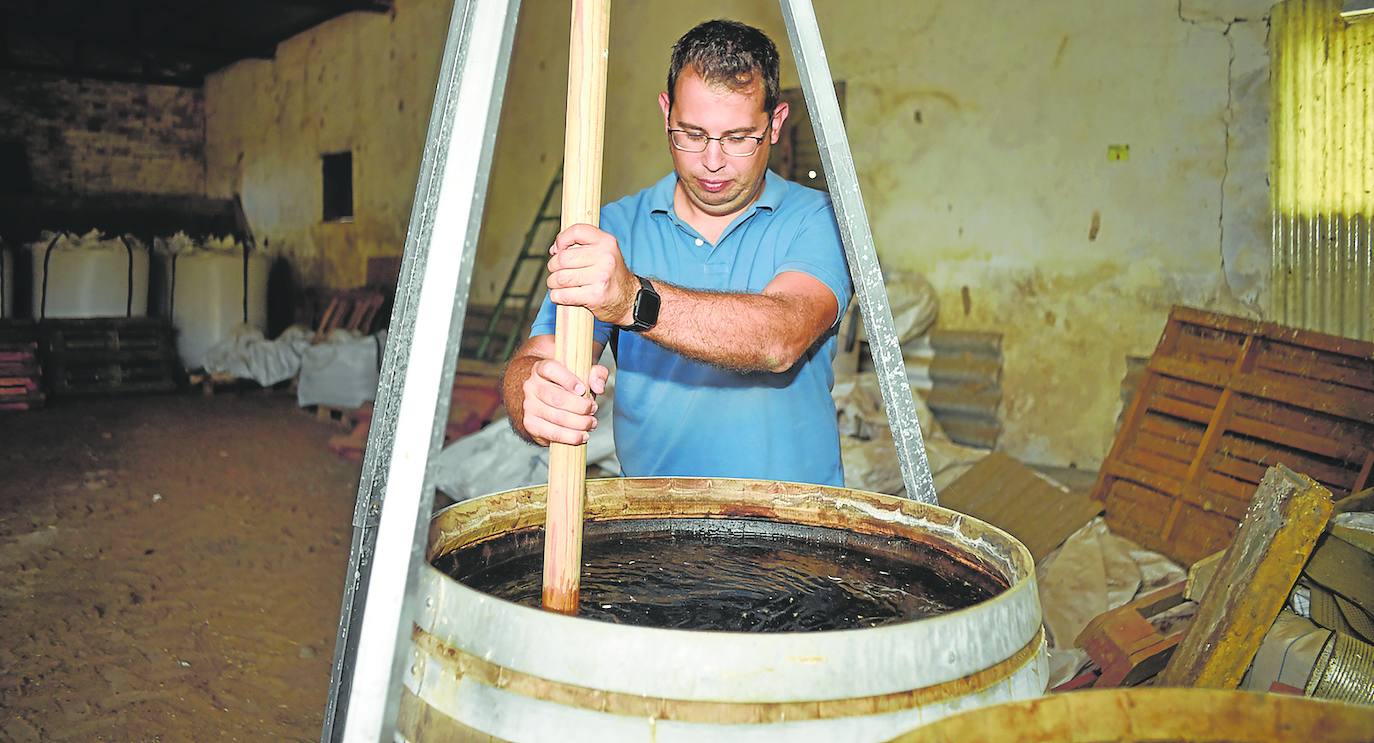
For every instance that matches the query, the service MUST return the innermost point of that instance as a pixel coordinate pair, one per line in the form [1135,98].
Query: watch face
[646,308]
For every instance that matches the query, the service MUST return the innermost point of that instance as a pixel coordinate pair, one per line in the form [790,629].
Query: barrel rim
[740,666]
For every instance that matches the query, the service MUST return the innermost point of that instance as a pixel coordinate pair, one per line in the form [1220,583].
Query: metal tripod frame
[396,490]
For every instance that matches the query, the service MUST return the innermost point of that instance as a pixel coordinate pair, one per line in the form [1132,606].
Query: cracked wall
[983,135]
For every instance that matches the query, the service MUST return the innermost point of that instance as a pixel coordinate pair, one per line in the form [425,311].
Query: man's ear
[664,104]
[779,116]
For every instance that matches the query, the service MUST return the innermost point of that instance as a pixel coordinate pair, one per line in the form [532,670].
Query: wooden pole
[583,134]
[1251,582]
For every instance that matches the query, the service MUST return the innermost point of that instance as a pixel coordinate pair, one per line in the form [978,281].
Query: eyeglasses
[735,145]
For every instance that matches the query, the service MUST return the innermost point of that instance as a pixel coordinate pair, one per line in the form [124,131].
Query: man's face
[714,182]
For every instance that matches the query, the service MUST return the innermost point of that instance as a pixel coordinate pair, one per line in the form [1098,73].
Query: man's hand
[551,402]
[587,270]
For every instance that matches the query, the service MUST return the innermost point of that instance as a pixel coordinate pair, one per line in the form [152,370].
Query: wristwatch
[646,307]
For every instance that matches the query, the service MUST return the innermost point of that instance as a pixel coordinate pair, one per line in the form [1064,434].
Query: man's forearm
[513,392]
[742,332]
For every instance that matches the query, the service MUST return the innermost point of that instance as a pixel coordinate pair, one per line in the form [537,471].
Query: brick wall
[89,136]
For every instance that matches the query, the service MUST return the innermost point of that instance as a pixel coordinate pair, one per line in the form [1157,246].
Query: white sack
[207,292]
[496,459]
[89,276]
[246,354]
[342,372]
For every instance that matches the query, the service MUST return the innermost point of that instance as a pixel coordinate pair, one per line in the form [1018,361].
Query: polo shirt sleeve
[818,252]
[545,322]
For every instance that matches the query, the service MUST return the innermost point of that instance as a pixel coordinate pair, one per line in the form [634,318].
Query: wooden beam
[1252,582]
[585,128]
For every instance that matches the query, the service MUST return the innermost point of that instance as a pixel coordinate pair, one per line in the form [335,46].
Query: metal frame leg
[805,37]
[396,492]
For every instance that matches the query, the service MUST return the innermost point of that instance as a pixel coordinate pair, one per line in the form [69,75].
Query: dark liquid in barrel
[736,575]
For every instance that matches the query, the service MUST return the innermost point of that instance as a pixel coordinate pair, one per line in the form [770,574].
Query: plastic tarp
[246,354]
[207,283]
[89,276]
[342,371]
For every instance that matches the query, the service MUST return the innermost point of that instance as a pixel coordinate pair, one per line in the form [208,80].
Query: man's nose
[714,155]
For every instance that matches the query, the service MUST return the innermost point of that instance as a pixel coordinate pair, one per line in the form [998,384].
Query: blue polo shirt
[675,416]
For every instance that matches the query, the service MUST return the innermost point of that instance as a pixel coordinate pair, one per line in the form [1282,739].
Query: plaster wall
[362,82]
[981,132]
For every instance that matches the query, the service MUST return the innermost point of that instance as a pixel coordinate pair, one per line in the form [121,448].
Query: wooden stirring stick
[583,132]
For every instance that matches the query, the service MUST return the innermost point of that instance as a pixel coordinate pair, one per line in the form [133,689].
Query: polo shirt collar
[661,195]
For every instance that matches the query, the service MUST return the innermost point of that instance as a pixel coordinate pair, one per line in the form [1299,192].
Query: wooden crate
[1223,399]
[109,355]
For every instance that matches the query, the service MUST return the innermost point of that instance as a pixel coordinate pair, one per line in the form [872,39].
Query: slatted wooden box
[109,355]
[1223,399]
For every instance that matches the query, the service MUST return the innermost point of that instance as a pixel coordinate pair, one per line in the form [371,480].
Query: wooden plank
[1293,336]
[1165,447]
[1356,405]
[1012,496]
[1246,423]
[1227,486]
[1362,480]
[1151,462]
[1187,411]
[1152,480]
[1190,391]
[1208,346]
[1252,583]
[1266,455]
[1173,429]
[1240,469]
[1306,364]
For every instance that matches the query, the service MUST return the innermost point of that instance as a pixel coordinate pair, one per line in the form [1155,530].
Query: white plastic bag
[341,372]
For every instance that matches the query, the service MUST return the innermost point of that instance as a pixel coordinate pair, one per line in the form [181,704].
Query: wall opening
[337,175]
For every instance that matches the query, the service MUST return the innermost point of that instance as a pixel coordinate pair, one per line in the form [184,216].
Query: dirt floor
[173,567]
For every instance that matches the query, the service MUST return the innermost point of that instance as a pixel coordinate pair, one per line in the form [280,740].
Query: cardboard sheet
[1014,497]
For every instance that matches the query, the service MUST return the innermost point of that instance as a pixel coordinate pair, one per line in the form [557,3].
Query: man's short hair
[727,53]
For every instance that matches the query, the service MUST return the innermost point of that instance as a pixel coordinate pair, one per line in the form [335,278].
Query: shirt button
[699,242]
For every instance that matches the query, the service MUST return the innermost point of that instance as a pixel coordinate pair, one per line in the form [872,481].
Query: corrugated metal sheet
[1323,189]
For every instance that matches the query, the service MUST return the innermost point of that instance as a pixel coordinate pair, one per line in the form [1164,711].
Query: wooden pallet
[109,355]
[1223,399]
[21,375]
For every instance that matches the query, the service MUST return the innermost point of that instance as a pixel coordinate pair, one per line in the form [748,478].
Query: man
[722,284]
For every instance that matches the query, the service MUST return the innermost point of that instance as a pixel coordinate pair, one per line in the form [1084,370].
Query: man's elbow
[781,357]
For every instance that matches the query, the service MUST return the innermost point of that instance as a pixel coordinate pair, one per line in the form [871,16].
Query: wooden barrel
[481,666]
[1199,715]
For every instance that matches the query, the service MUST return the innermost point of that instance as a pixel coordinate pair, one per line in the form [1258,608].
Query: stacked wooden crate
[21,377]
[109,355]
[1222,400]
